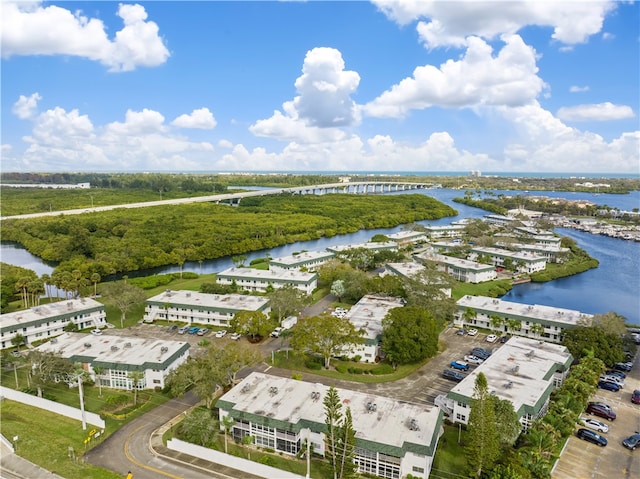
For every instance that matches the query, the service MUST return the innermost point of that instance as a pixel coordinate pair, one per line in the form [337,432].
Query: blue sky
[502,86]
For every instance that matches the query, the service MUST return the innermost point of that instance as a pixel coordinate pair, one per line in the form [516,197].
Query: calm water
[613,286]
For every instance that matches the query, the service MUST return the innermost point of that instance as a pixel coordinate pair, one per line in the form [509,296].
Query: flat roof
[548,314]
[114,350]
[63,308]
[406,269]
[520,371]
[302,258]
[452,226]
[234,302]
[368,313]
[400,235]
[521,255]
[269,275]
[464,264]
[292,402]
[368,245]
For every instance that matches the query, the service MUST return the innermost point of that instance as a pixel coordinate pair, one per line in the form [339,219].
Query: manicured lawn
[492,289]
[450,459]
[50,440]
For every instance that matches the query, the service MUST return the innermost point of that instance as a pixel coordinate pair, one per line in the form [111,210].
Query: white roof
[50,310]
[235,302]
[269,275]
[301,258]
[368,313]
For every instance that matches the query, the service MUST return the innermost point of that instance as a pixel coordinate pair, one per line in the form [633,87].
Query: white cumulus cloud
[201,119]
[449,23]
[26,107]
[578,89]
[479,78]
[28,28]
[595,112]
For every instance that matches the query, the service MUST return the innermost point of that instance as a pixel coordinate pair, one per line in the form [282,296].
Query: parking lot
[582,459]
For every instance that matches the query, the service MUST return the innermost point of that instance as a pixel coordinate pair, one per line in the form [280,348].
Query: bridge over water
[360,187]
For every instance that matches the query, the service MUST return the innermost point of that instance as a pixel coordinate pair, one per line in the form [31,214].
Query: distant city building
[49,320]
[309,260]
[201,308]
[461,269]
[118,356]
[523,262]
[77,186]
[529,320]
[394,439]
[250,279]
[523,371]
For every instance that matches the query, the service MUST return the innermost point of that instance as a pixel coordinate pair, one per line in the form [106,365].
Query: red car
[602,410]
[635,397]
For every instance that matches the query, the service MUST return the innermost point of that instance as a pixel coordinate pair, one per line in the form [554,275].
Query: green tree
[287,301]
[255,324]
[610,323]
[99,371]
[340,436]
[409,335]
[483,446]
[430,289]
[95,279]
[325,335]
[123,296]
[227,424]
[200,427]
[136,377]
[338,289]
[496,322]
[587,341]
[18,340]
[46,368]
[347,467]
[508,425]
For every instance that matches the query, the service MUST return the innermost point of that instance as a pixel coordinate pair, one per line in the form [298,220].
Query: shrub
[312,364]
[341,368]
[296,376]
[267,460]
[383,368]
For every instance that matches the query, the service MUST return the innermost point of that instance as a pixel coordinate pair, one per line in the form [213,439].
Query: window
[461,417]
[418,469]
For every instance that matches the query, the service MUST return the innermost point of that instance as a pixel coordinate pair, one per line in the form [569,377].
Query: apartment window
[419,470]
[461,417]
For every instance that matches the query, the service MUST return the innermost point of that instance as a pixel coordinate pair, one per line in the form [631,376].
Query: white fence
[62,409]
[234,462]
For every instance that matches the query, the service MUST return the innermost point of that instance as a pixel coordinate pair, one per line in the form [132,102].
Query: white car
[492,338]
[472,332]
[594,424]
[473,359]
[221,334]
[96,332]
[276,332]
[613,379]
[235,336]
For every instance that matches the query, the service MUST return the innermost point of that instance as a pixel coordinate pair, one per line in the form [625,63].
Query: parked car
[461,332]
[221,334]
[172,329]
[470,358]
[96,332]
[491,338]
[472,332]
[591,436]
[635,396]
[481,353]
[601,410]
[183,329]
[632,441]
[624,367]
[609,386]
[452,375]
[504,339]
[235,336]
[613,372]
[613,379]
[594,424]
[193,330]
[202,331]
[460,365]
[276,332]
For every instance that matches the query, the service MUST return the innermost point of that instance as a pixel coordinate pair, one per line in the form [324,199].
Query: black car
[591,436]
[172,329]
[613,372]
[504,339]
[452,375]
[481,353]
[601,410]
[632,441]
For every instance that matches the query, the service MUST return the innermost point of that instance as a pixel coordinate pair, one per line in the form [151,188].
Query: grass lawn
[45,438]
[450,459]
[492,289]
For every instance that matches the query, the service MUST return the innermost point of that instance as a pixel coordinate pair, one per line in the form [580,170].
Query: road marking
[139,464]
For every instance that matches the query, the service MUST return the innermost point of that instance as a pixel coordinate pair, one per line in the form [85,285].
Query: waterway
[613,286]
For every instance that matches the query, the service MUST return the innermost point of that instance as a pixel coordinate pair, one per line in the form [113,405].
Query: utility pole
[308,454]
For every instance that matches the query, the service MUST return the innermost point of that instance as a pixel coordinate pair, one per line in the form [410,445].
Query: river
[613,286]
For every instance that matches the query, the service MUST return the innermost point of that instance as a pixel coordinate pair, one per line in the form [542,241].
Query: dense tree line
[127,240]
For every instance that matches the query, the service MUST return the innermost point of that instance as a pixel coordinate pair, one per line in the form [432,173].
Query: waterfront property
[201,308]
[404,238]
[523,262]
[393,438]
[309,260]
[49,320]
[523,371]
[552,253]
[250,279]
[367,315]
[445,231]
[529,320]
[408,269]
[461,269]
[369,246]
[119,356]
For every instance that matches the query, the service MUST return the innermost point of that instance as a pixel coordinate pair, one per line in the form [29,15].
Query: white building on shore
[309,260]
[193,307]
[460,269]
[49,320]
[523,262]
[118,356]
[393,438]
[250,279]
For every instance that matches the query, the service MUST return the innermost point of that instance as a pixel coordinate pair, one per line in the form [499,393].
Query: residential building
[461,269]
[523,371]
[500,220]
[404,238]
[408,269]
[367,315]
[370,246]
[529,320]
[552,253]
[250,279]
[523,262]
[445,231]
[49,320]
[309,260]
[118,356]
[201,308]
[393,438]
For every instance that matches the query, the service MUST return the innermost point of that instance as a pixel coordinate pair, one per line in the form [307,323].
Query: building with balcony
[250,279]
[393,438]
[522,262]
[461,269]
[308,260]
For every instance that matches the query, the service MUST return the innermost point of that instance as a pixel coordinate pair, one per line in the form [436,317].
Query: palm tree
[495,321]
[99,371]
[21,285]
[46,281]
[537,329]
[227,423]
[95,279]
[469,315]
[136,377]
